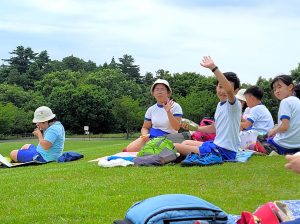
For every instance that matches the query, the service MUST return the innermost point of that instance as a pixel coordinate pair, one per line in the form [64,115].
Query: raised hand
[169,105]
[207,62]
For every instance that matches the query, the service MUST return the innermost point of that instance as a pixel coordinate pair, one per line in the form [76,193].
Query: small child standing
[285,138]
[226,126]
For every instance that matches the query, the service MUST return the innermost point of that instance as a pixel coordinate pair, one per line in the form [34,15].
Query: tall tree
[21,58]
[113,64]
[128,68]
[42,59]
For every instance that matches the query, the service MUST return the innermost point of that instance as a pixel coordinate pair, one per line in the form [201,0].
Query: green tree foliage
[109,98]
[128,114]
[21,58]
[148,79]
[76,64]
[27,100]
[25,67]
[81,106]
[268,99]
[14,120]
[197,105]
[131,71]
[58,79]
[162,74]
[295,73]
[115,82]
[113,64]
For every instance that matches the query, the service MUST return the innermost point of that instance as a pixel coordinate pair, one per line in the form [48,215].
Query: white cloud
[252,39]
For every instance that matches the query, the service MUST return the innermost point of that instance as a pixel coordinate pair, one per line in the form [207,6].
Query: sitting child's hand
[145,137]
[184,126]
[293,162]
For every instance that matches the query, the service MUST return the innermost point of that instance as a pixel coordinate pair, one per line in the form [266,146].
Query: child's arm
[245,124]
[207,62]
[283,127]
[207,129]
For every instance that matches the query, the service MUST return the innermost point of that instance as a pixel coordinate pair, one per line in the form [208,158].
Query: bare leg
[186,149]
[26,146]
[136,145]
[192,143]
[14,155]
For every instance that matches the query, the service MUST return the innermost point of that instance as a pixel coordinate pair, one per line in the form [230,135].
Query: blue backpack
[174,209]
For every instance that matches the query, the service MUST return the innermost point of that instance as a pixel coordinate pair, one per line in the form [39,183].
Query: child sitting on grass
[227,123]
[285,138]
[259,117]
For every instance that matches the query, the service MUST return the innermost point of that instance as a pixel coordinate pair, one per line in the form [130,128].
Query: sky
[251,38]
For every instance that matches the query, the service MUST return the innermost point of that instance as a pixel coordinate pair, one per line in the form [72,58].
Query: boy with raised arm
[227,123]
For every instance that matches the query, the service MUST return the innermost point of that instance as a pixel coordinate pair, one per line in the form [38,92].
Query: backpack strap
[124,221]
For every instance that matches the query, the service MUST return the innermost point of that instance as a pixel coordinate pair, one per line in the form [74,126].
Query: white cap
[240,94]
[161,81]
[43,114]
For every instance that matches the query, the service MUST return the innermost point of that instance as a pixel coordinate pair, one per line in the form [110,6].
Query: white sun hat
[161,81]
[43,114]
[240,94]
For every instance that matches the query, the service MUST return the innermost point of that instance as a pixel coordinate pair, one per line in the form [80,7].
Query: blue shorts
[154,132]
[281,150]
[30,154]
[211,147]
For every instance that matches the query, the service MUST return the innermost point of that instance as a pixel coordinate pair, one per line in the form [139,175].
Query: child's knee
[13,155]
[26,146]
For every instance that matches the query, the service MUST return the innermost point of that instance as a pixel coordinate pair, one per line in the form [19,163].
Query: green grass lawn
[82,192]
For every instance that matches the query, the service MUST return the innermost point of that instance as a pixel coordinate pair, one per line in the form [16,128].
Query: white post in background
[86,131]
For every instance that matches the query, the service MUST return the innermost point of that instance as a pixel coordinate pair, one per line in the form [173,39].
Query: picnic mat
[126,158]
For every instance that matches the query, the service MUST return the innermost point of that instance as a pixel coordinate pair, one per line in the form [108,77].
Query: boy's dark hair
[286,79]
[255,91]
[232,77]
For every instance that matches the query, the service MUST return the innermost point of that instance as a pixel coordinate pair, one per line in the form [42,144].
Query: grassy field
[82,192]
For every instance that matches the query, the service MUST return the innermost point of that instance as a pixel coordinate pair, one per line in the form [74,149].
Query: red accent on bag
[267,213]
[259,148]
[248,218]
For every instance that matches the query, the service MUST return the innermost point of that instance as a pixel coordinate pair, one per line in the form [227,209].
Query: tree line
[110,97]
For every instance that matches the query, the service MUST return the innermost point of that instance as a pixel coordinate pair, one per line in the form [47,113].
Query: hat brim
[43,120]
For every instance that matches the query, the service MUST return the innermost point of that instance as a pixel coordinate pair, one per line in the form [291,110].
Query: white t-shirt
[159,118]
[289,108]
[227,124]
[246,113]
[261,119]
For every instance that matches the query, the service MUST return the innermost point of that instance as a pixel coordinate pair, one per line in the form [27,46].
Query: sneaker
[209,159]
[191,159]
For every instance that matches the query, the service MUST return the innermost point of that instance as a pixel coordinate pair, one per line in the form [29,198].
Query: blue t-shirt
[54,134]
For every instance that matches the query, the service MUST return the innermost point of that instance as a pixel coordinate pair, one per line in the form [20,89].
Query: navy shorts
[30,154]
[281,150]
[211,147]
